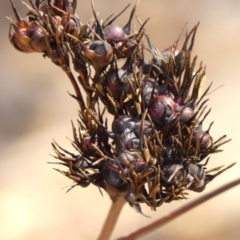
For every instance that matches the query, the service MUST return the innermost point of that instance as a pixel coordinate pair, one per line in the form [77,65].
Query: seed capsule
[203,138]
[112,177]
[125,137]
[162,111]
[81,162]
[98,54]
[118,82]
[28,37]
[123,124]
[174,174]
[115,174]
[186,113]
[146,128]
[113,34]
[68,23]
[196,177]
[150,89]
[127,158]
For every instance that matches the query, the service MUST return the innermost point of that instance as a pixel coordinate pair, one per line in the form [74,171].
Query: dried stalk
[171,216]
[112,217]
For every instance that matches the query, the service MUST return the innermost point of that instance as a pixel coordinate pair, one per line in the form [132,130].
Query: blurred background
[36,108]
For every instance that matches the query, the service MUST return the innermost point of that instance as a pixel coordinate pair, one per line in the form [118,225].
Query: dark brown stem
[75,86]
[171,216]
[112,217]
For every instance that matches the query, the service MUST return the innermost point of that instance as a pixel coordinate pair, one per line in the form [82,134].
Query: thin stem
[171,216]
[112,217]
[80,100]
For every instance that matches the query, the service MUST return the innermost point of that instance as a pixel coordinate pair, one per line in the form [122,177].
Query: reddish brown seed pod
[28,39]
[202,138]
[162,110]
[117,81]
[113,34]
[87,143]
[124,48]
[186,113]
[128,159]
[37,37]
[131,159]
[69,24]
[21,41]
[98,54]
[28,36]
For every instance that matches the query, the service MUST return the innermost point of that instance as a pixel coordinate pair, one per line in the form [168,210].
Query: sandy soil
[35,108]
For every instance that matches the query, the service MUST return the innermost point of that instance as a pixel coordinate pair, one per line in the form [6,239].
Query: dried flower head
[157,147]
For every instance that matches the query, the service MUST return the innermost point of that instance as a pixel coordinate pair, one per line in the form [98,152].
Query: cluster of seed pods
[157,148]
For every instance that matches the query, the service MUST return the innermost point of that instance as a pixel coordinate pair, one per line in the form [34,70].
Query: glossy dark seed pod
[196,178]
[146,128]
[186,113]
[81,162]
[128,141]
[57,52]
[174,174]
[128,158]
[69,24]
[38,42]
[128,132]
[123,124]
[28,36]
[118,82]
[98,54]
[202,138]
[125,137]
[20,41]
[150,89]
[162,111]
[113,34]
[87,147]
[125,48]
[113,178]
[33,34]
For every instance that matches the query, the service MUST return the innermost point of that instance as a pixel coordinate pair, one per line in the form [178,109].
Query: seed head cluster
[156,148]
